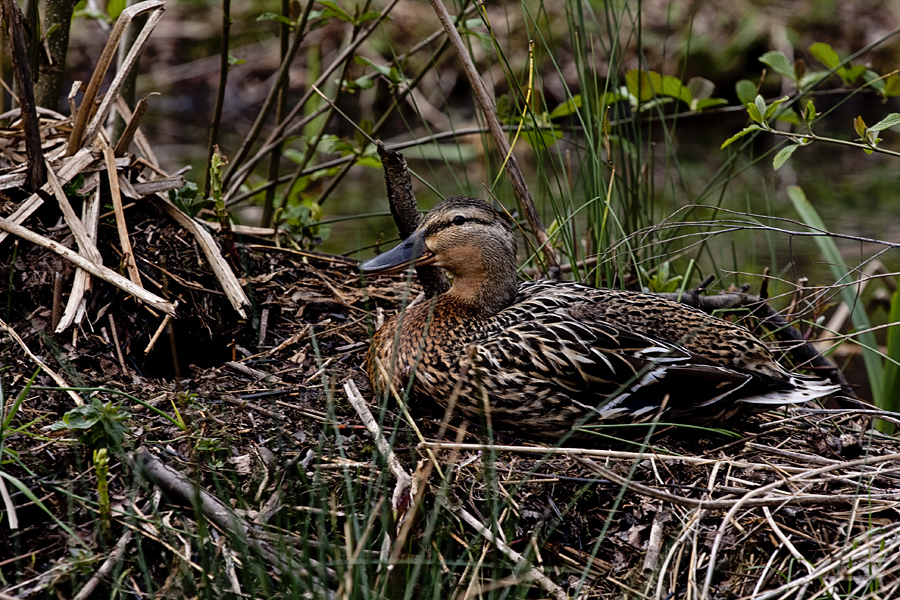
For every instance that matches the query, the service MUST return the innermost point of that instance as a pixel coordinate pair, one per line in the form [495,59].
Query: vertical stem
[220,95]
[280,109]
[15,23]
[57,19]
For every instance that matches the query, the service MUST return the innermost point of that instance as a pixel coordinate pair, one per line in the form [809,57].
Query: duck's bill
[410,252]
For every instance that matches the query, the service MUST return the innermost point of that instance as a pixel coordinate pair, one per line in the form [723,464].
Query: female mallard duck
[542,356]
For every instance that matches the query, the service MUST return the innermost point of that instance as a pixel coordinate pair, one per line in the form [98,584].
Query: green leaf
[848,293]
[783,155]
[825,54]
[672,86]
[851,73]
[891,86]
[770,110]
[569,107]
[739,135]
[780,63]
[755,115]
[859,126]
[648,85]
[709,103]
[789,115]
[114,8]
[746,91]
[809,114]
[268,16]
[889,121]
[640,84]
[761,110]
[333,10]
[540,139]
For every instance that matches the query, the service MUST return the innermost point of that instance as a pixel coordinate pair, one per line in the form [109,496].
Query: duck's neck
[485,295]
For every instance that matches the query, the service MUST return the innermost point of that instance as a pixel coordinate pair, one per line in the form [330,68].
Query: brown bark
[57,19]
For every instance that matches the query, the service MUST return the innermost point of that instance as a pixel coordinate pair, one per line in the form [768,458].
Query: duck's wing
[601,370]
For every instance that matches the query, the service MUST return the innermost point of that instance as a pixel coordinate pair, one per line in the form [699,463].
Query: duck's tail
[804,389]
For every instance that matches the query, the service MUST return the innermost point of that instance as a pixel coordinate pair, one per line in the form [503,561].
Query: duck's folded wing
[611,373]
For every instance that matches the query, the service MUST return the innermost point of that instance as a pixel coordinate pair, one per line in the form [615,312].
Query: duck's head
[471,241]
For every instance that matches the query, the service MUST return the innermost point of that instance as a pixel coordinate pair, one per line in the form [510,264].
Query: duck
[549,359]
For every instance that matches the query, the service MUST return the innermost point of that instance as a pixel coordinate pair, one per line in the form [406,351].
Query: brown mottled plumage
[542,356]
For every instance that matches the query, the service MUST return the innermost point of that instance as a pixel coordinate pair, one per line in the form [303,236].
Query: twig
[488,109]
[747,500]
[132,127]
[654,543]
[127,252]
[533,572]
[75,306]
[111,561]
[140,139]
[115,336]
[404,481]
[159,330]
[59,380]
[219,514]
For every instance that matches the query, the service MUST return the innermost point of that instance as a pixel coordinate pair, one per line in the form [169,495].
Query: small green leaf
[274,17]
[760,105]
[809,115]
[789,115]
[755,115]
[892,120]
[850,73]
[859,126]
[709,103]
[783,155]
[891,86]
[739,135]
[640,85]
[780,63]
[333,10]
[770,110]
[569,107]
[746,91]
[825,54]
[672,86]
[539,139]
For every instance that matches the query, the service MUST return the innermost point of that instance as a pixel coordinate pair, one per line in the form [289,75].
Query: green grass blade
[829,250]
[891,394]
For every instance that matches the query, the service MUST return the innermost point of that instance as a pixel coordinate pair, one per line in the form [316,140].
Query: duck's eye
[459,220]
